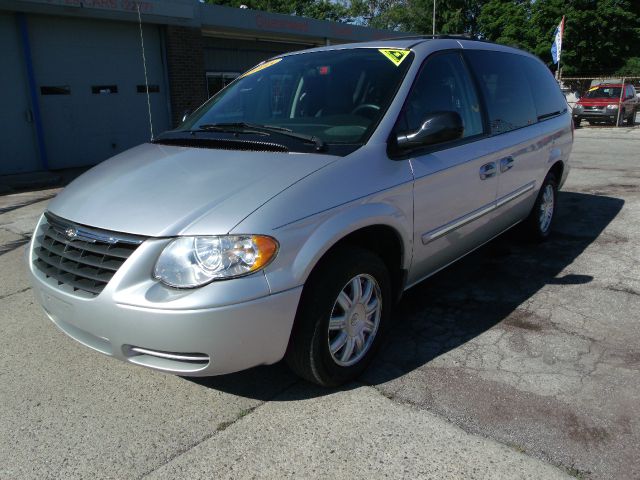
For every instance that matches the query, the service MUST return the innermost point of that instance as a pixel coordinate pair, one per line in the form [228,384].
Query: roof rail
[453,36]
[409,37]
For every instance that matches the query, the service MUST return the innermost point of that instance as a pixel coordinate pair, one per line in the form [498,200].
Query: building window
[104,89]
[152,89]
[55,90]
[216,81]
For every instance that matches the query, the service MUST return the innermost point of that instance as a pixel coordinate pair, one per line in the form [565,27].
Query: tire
[308,353]
[537,226]
[577,122]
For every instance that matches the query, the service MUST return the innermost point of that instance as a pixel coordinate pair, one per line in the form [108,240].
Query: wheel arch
[558,171]
[380,228]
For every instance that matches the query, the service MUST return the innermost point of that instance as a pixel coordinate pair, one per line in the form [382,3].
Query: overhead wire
[144,64]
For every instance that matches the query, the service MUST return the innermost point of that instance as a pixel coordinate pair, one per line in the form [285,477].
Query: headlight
[612,107]
[189,262]
[578,107]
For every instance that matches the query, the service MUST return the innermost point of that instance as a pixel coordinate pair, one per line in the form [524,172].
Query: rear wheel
[342,317]
[537,225]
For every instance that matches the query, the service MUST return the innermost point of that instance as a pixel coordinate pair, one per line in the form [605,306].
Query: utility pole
[434,17]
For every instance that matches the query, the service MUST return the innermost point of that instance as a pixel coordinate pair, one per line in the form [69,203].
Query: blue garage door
[90,81]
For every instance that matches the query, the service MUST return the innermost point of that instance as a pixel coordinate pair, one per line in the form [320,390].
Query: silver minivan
[285,217]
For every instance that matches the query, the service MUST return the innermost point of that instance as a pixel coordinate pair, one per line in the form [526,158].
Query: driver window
[443,84]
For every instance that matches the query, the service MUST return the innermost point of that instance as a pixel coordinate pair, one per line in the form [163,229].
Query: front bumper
[221,328]
[596,115]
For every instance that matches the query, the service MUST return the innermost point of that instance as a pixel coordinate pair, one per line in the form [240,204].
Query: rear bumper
[195,338]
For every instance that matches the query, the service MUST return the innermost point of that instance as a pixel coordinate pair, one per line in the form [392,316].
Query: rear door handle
[487,170]
[506,164]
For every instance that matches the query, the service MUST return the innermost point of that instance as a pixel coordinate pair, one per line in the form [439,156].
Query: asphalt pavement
[519,361]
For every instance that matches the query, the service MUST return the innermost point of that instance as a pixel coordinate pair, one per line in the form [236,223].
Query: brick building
[73,86]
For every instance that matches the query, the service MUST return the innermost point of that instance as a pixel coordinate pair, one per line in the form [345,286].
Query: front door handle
[487,170]
[506,164]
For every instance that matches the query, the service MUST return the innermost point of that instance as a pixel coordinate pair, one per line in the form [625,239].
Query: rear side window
[546,92]
[506,90]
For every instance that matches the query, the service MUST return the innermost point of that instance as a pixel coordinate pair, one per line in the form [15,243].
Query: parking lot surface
[519,361]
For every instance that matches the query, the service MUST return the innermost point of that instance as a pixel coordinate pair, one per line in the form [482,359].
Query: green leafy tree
[416,16]
[599,36]
[508,22]
[631,67]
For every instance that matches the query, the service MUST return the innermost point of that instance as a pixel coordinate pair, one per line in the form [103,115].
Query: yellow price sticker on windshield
[396,56]
[262,66]
[594,88]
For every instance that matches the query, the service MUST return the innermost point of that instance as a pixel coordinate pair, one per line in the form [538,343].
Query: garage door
[90,81]
[17,136]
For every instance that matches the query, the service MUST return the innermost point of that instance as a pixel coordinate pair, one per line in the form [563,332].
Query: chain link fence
[603,100]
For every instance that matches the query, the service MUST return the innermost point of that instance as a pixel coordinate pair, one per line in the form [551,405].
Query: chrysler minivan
[285,217]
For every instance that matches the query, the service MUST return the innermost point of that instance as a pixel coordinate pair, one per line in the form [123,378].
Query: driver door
[455,183]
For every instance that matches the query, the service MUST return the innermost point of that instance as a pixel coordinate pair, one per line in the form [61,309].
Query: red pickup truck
[604,104]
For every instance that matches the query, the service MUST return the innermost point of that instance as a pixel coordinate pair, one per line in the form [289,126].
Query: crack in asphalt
[11,246]
[15,206]
[221,427]
[2,297]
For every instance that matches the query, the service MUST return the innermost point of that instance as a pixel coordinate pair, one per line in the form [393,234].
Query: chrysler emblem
[71,233]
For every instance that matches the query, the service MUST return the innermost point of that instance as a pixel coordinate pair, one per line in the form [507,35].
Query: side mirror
[186,114]
[438,127]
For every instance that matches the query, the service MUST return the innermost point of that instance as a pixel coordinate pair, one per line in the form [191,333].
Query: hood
[158,190]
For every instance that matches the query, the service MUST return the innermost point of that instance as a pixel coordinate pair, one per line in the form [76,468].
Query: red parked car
[604,104]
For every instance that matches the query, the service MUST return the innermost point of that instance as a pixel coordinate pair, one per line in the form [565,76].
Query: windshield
[604,92]
[336,96]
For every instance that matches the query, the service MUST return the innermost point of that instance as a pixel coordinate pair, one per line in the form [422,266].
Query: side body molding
[470,217]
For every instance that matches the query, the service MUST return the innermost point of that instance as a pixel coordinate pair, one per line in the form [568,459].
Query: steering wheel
[365,106]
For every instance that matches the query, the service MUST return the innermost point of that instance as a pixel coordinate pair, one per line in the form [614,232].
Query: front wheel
[537,226]
[342,317]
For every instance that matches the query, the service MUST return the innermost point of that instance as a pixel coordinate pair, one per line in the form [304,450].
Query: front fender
[305,242]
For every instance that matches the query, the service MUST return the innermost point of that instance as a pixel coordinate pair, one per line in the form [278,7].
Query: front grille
[78,258]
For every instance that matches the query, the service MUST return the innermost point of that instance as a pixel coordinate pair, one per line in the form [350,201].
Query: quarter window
[504,84]
[547,96]
[442,85]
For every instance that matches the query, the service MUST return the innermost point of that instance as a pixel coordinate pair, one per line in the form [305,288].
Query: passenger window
[547,96]
[504,84]
[443,84]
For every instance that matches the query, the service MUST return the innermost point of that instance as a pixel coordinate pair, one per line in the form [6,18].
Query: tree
[416,16]
[631,67]
[508,22]
[598,38]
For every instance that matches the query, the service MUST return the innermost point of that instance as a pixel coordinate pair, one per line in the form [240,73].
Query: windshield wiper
[231,127]
[245,127]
